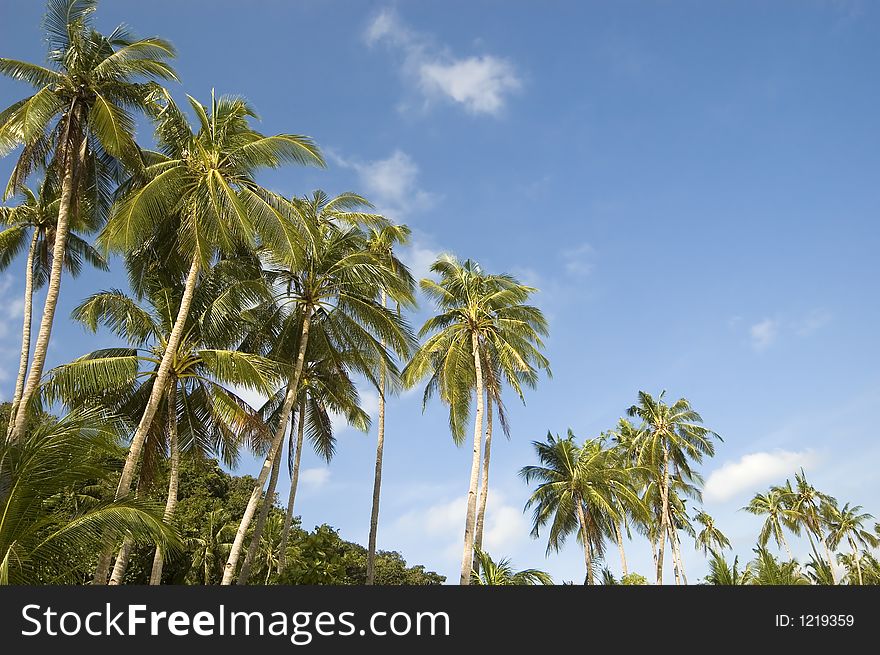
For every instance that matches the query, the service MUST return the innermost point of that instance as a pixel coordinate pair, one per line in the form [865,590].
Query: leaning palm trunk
[294,481]
[25,331]
[676,554]
[857,556]
[619,538]
[467,559]
[173,481]
[244,574]
[377,476]
[588,558]
[830,558]
[160,385]
[250,510]
[73,160]
[785,545]
[127,543]
[484,483]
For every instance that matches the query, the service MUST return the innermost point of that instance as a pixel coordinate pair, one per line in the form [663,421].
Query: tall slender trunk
[294,481]
[244,574]
[680,577]
[467,558]
[661,537]
[618,535]
[588,559]
[73,158]
[256,494]
[785,545]
[121,563]
[160,385]
[484,481]
[173,481]
[377,475]
[27,319]
[857,557]
[830,559]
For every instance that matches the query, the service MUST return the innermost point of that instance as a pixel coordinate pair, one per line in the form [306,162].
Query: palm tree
[212,544]
[767,570]
[198,396]
[774,505]
[205,180]
[33,223]
[710,535]
[668,440]
[331,280]
[846,523]
[381,243]
[477,313]
[40,534]
[78,124]
[722,573]
[631,506]
[576,492]
[502,573]
[805,502]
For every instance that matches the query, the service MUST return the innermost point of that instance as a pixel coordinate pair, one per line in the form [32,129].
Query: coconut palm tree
[40,534]
[33,223]
[204,178]
[722,573]
[212,544]
[576,489]
[79,124]
[381,243]
[847,523]
[768,571]
[199,394]
[502,573]
[805,501]
[774,505]
[668,440]
[331,280]
[710,536]
[478,312]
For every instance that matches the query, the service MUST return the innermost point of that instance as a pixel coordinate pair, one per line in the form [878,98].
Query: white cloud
[314,478]
[390,183]
[751,471]
[480,84]
[418,257]
[815,320]
[763,334]
[579,260]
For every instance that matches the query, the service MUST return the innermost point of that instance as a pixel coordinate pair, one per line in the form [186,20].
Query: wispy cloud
[764,333]
[579,260]
[314,478]
[480,84]
[812,322]
[750,472]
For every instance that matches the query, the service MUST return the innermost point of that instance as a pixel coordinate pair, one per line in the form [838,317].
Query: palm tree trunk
[25,331]
[467,558]
[377,475]
[173,481]
[676,553]
[245,573]
[294,481]
[664,512]
[785,545]
[618,535]
[654,552]
[256,494]
[484,481]
[160,385]
[588,560]
[857,557]
[124,553]
[73,158]
[830,559]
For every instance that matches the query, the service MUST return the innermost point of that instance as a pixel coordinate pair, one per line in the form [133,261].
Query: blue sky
[692,186]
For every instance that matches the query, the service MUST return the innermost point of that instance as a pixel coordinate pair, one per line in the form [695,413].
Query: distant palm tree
[775,506]
[37,215]
[768,571]
[478,312]
[212,544]
[78,125]
[502,573]
[710,535]
[806,502]
[846,523]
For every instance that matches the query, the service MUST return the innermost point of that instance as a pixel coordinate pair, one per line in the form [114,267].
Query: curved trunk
[785,545]
[124,553]
[377,475]
[245,573]
[25,332]
[173,481]
[830,559]
[588,559]
[467,558]
[484,482]
[160,384]
[256,494]
[74,159]
[618,535]
[857,557]
[294,481]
